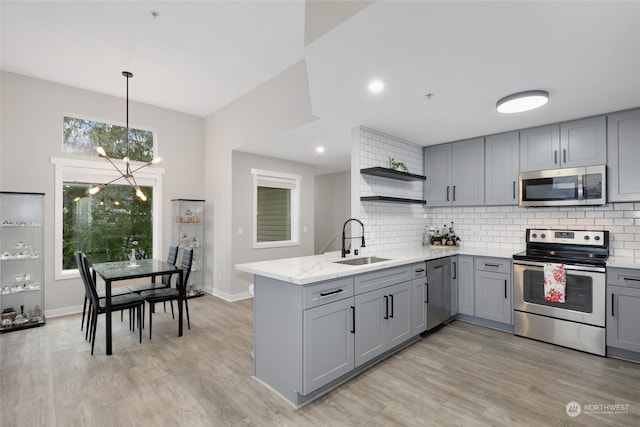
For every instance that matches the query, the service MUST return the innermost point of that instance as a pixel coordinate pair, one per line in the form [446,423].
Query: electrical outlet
[240,231]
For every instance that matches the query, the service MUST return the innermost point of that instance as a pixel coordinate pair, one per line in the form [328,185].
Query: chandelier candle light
[128,172]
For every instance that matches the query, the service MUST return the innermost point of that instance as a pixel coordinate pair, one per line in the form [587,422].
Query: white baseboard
[231,297]
[65,311]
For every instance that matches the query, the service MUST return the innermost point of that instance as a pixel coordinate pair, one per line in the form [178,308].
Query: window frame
[287,180]
[96,171]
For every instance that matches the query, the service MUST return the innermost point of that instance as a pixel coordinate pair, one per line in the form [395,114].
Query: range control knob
[542,236]
[586,237]
[597,237]
[534,235]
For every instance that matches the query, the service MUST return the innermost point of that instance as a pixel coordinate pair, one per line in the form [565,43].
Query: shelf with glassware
[188,232]
[21,261]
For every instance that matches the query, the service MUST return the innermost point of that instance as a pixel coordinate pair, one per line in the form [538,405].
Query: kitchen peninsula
[318,322]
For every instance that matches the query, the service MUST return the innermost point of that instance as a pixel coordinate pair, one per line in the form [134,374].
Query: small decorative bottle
[132,257]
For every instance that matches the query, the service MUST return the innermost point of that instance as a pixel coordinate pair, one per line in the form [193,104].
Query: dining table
[124,270]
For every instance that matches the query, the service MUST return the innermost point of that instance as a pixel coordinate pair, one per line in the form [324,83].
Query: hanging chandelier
[127,174]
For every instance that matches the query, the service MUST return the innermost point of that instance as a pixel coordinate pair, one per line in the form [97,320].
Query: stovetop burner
[566,247]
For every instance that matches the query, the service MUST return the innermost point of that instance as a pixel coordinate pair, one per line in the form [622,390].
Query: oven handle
[567,266]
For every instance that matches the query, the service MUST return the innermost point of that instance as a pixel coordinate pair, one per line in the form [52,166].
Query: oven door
[584,296]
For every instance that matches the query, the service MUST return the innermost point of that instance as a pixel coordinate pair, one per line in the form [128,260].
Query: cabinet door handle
[420,270]
[633,279]
[353,320]
[391,315]
[555,156]
[426,293]
[613,310]
[564,155]
[386,307]
[514,190]
[505,288]
[328,294]
[455,270]
[447,193]
[454,193]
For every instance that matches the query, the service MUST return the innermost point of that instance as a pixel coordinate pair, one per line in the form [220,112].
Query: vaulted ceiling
[198,56]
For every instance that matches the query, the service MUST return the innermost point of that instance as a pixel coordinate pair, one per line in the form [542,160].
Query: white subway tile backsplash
[395,226]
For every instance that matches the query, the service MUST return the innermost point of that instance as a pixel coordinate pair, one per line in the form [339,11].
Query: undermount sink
[362,261]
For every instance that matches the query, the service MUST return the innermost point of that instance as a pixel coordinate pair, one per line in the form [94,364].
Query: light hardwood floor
[462,375]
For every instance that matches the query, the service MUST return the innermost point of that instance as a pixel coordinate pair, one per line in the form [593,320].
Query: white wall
[332,209]
[31,133]
[242,205]
[281,103]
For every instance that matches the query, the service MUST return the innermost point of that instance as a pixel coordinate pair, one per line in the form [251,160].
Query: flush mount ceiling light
[127,174]
[376,86]
[522,101]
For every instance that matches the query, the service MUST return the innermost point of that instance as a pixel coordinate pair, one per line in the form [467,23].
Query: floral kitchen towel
[555,282]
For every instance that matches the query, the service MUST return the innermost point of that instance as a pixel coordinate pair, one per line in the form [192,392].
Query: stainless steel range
[560,289]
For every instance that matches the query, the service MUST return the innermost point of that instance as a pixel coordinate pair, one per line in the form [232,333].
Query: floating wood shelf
[393,174]
[391,199]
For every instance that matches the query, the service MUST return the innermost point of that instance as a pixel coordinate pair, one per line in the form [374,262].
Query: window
[276,209]
[109,224]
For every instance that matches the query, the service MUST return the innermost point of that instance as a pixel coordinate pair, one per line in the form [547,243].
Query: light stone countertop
[318,268]
[623,262]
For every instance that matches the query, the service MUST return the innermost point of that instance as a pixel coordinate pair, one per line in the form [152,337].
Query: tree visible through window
[108,225]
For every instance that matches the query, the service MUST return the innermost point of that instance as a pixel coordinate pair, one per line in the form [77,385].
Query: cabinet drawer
[629,277]
[380,278]
[496,265]
[327,292]
[418,270]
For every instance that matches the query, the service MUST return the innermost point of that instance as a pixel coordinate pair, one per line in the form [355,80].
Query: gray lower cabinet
[383,320]
[328,343]
[418,305]
[465,274]
[623,309]
[623,145]
[493,289]
[455,306]
[502,154]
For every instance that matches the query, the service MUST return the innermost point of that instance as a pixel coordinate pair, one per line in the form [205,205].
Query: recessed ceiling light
[376,86]
[320,150]
[522,101]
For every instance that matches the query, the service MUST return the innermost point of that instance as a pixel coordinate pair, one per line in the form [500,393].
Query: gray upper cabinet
[583,142]
[455,173]
[502,154]
[539,148]
[437,166]
[623,176]
[570,144]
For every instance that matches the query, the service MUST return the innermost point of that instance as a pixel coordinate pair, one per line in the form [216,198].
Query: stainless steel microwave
[564,187]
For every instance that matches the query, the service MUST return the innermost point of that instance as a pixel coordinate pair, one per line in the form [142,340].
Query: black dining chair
[122,290]
[178,293]
[172,257]
[98,305]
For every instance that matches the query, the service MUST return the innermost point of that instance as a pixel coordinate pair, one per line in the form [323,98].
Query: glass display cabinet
[188,232]
[21,261]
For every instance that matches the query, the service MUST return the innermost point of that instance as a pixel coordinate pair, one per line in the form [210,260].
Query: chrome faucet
[362,245]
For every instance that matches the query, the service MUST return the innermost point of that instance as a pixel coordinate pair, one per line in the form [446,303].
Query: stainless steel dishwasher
[438,291]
